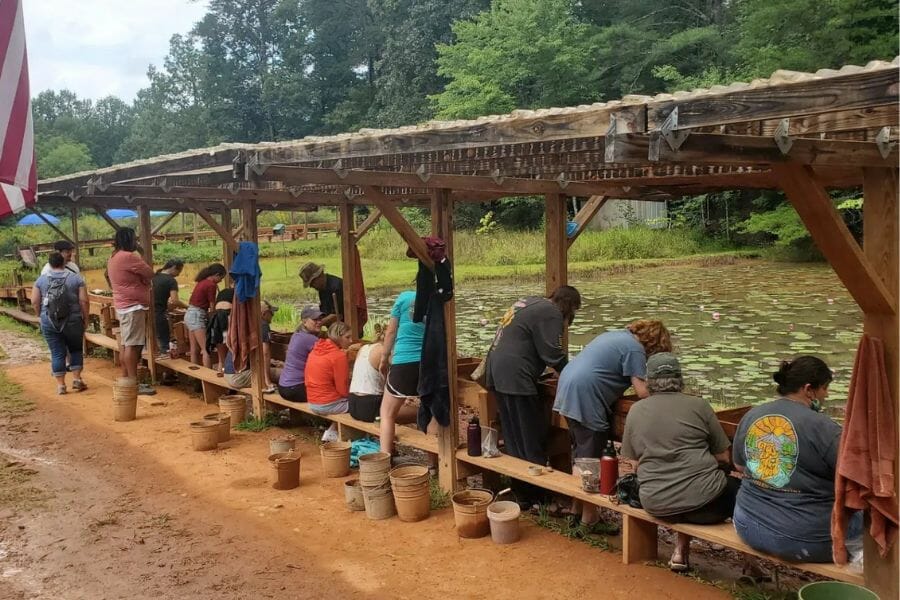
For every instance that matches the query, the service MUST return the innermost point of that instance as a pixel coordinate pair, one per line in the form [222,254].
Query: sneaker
[330,435]
[61,390]
[146,390]
[269,390]
[79,385]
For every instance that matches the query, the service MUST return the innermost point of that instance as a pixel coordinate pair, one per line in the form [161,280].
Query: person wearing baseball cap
[678,447]
[67,249]
[292,382]
[330,288]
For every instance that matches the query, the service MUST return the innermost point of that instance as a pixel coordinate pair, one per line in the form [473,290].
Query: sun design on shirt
[772,450]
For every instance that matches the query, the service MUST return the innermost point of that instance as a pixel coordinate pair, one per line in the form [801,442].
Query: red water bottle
[473,437]
[609,470]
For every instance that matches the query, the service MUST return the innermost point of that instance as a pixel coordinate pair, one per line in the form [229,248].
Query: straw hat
[309,272]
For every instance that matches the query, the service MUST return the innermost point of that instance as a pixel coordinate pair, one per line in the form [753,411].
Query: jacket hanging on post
[243,332]
[433,289]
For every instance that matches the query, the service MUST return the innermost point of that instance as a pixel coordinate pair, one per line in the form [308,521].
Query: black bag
[628,490]
[58,303]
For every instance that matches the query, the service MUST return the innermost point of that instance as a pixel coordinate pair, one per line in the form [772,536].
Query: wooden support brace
[77,254]
[43,218]
[833,239]
[638,540]
[406,231]
[165,222]
[102,213]
[226,235]
[366,225]
[585,216]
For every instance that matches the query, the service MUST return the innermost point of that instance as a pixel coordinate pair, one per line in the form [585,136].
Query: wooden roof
[724,137]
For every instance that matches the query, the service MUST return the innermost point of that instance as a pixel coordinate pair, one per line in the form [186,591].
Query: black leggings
[294,393]
[526,425]
[162,329]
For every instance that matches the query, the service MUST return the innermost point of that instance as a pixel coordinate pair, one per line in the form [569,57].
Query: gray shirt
[590,385]
[789,454]
[673,437]
[73,283]
[529,340]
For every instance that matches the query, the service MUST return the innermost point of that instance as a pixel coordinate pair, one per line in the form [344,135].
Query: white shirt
[70,266]
[366,380]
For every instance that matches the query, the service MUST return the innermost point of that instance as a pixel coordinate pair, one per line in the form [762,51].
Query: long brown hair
[567,300]
[652,335]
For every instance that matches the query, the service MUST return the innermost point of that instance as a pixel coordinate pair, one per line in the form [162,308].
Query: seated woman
[367,382]
[678,447]
[291,381]
[327,375]
[787,451]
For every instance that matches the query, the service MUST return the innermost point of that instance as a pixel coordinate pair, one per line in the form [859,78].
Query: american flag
[18,176]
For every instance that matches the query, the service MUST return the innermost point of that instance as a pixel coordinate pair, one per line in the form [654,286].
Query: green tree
[60,156]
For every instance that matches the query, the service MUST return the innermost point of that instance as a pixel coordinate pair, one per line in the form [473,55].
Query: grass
[566,529]
[439,498]
[257,424]
[12,402]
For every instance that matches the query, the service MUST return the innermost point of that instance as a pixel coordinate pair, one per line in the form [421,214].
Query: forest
[261,70]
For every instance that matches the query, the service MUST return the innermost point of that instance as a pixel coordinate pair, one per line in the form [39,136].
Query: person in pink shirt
[129,277]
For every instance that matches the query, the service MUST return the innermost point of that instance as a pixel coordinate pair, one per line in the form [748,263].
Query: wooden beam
[146,236]
[810,96]
[348,268]
[881,244]
[257,356]
[225,234]
[406,231]
[834,240]
[165,222]
[746,150]
[102,213]
[510,186]
[555,236]
[364,227]
[74,217]
[33,210]
[227,253]
[585,216]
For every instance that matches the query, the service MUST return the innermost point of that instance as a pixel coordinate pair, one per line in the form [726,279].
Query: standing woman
[165,297]
[62,304]
[402,351]
[528,341]
[200,305]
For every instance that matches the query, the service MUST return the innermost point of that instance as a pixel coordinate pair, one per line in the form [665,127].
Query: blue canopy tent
[121,213]
[160,213]
[33,219]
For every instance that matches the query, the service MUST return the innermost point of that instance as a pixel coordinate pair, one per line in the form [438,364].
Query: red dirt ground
[134,513]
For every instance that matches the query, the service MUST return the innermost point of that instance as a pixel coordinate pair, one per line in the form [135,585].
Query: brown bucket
[285,470]
[282,443]
[409,476]
[205,435]
[374,469]
[335,458]
[235,405]
[125,399]
[353,495]
[413,501]
[470,512]
[379,503]
[224,420]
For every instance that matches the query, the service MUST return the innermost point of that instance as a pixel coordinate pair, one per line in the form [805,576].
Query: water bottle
[609,470]
[473,437]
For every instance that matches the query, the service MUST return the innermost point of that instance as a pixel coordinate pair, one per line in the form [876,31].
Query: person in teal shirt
[400,360]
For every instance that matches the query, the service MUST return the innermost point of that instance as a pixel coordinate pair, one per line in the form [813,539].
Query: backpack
[58,303]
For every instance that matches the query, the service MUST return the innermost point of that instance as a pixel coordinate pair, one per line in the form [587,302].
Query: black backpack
[58,304]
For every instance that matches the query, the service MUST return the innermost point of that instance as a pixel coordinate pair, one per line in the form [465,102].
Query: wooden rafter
[366,225]
[43,218]
[393,216]
[165,221]
[834,240]
[226,236]
[585,216]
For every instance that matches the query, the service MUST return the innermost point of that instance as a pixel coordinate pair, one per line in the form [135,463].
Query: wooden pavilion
[802,133]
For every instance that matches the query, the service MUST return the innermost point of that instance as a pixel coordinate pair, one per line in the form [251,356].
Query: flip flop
[679,567]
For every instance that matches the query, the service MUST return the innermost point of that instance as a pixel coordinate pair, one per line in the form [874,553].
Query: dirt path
[20,349]
[116,510]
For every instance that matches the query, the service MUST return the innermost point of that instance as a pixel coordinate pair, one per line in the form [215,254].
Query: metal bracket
[164,184]
[348,193]
[295,191]
[233,188]
[884,143]
[783,136]
[609,152]
[96,184]
[255,166]
[562,180]
[670,132]
[423,175]
[497,177]
[339,170]
[238,164]
[653,147]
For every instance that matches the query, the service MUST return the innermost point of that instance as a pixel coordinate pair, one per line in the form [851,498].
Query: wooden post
[881,245]
[556,248]
[77,255]
[348,267]
[227,255]
[448,437]
[194,239]
[147,245]
[257,356]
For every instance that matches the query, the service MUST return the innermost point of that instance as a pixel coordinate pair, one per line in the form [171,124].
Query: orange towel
[865,468]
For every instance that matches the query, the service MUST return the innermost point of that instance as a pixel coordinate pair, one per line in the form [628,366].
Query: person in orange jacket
[327,375]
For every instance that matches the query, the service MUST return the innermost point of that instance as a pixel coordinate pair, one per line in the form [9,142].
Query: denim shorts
[335,407]
[195,318]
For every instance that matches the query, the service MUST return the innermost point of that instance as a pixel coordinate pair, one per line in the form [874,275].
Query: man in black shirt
[330,288]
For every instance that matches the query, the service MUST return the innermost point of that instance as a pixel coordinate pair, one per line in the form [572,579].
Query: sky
[100,47]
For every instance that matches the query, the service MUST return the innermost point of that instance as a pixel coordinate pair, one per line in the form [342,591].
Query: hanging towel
[245,271]
[864,478]
[243,334]
[359,295]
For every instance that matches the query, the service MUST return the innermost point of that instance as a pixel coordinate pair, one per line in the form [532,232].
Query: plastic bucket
[470,512]
[409,476]
[374,469]
[335,458]
[835,590]
[353,494]
[224,420]
[413,501]
[379,503]
[282,444]
[204,435]
[504,520]
[589,470]
[235,405]
[125,399]
[285,470]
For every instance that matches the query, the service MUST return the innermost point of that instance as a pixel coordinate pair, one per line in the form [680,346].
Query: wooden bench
[213,385]
[639,529]
[351,429]
[21,316]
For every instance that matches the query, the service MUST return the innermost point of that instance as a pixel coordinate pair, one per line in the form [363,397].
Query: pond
[732,324]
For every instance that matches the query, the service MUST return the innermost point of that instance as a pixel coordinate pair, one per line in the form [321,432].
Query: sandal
[681,566]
